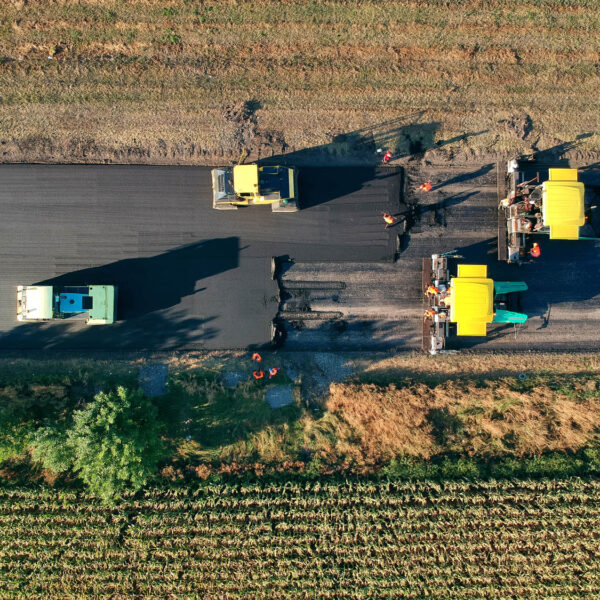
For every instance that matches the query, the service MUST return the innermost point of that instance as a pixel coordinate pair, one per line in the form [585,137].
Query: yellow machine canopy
[471,300]
[563,204]
[245,180]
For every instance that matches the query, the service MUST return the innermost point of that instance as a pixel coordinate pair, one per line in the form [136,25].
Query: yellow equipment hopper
[563,204]
[471,300]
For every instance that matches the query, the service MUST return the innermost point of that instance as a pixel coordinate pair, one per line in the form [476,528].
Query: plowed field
[188,81]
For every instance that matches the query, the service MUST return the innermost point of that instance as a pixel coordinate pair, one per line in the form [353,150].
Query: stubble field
[201,82]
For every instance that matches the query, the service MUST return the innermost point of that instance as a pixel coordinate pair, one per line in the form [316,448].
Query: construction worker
[258,374]
[432,291]
[426,187]
[257,357]
[429,313]
[535,251]
[525,224]
[272,372]
[387,157]
[389,220]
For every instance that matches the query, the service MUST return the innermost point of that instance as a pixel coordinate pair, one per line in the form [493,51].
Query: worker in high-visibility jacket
[426,187]
[258,374]
[535,251]
[432,291]
[389,220]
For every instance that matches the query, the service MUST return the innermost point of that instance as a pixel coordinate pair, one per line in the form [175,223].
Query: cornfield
[528,539]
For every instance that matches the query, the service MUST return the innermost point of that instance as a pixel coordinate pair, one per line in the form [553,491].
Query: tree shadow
[159,302]
[320,177]
[403,136]
[205,418]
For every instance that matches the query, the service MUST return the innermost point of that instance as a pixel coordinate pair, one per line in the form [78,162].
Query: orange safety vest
[388,219]
[429,313]
[257,357]
[387,156]
[272,372]
[426,187]
[536,252]
[258,374]
[432,290]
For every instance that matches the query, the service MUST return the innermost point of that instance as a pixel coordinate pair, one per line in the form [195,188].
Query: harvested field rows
[139,82]
[311,540]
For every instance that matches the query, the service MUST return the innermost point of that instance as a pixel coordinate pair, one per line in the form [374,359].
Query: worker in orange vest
[258,374]
[535,251]
[272,372]
[257,357]
[429,313]
[426,187]
[387,157]
[432,291]
[389,220]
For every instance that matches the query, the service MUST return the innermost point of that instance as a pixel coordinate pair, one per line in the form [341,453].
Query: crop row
[265,541]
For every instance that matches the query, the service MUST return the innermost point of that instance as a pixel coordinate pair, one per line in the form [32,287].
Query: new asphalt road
[189,276]
[193,277]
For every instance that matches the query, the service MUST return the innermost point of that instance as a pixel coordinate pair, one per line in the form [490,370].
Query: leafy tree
[115,442]
[15,430]
[49,447]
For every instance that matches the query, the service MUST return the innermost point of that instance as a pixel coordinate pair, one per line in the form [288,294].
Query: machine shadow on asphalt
[319,185]
[416,214]
[159,300]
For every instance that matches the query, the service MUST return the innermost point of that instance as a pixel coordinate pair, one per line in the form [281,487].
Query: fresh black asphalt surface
[189,276]
[379,306]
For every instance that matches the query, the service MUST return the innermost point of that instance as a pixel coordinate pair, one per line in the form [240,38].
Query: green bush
[553,465]
[14,434]
[592,457]
[115,442]
[458,468]
[49,447]
[405,467]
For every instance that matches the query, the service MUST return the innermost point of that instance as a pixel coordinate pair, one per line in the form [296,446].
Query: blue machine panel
[72,303]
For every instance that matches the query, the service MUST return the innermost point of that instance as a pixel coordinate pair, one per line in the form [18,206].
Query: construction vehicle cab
[464,304]
[94,303]
[244,185]
[538,201]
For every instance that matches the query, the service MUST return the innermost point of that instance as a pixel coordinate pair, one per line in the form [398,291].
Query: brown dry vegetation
[372,424]
[145,81]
